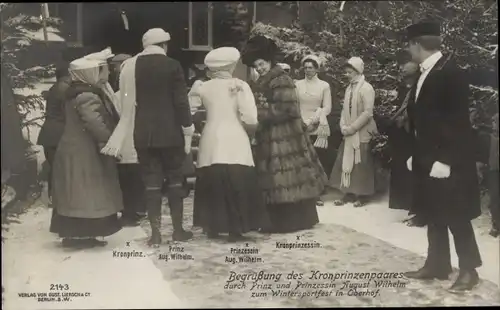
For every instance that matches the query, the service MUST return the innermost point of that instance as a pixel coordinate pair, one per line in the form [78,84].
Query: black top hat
[259,47]
[426,28]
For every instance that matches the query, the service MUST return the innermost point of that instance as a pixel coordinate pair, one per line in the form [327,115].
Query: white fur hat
[357,63]
[222,57]
[155,36]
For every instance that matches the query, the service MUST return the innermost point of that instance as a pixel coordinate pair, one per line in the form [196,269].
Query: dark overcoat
[85,182]
[440,123]
[162,102]
[53,126]
[287,164]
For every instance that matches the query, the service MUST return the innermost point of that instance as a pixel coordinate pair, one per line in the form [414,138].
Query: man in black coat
[400,142]
[53,126]
[446,190]
[163,130]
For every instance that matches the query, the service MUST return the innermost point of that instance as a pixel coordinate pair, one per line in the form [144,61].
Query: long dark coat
[400,148]
[441,125]
[53,126]
[85,182]
[287,164]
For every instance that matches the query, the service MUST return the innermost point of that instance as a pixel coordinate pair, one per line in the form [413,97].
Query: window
[200,26]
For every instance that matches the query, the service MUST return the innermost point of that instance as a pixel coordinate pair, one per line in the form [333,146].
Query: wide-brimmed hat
[259,47]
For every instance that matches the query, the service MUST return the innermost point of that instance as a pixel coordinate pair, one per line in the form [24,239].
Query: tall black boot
[175,203]
[153,203]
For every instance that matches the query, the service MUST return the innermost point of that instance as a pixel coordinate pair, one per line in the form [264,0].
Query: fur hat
[259,47]
[426,28]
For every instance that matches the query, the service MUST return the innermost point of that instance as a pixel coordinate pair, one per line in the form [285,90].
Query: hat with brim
[155,36]
[422,29]
[221,58]
[259,47]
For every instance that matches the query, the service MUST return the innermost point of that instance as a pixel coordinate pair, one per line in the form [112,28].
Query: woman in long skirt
[354,171]
[227,198]
[290,173]
[86,192]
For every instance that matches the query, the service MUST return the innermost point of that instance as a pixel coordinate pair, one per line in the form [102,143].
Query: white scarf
[352,154]
[121,143]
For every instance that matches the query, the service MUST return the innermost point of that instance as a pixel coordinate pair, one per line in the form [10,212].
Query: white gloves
[438,171]
[409,163]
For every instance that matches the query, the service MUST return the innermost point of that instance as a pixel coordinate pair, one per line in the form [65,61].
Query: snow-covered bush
[18,41]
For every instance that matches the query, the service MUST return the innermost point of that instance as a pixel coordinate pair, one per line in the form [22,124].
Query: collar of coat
[275,78]
[76,88]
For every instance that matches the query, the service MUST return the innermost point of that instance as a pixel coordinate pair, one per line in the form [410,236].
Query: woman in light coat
[315,102]
[354,171]
[227,198]
[86,191]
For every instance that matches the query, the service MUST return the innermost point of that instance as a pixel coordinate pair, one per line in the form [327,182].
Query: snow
[32,261]
[32,131]
[52,34]
[376,219]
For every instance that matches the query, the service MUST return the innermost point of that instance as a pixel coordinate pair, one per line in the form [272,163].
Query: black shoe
[415,221]
[95,243]
[494,232]
[466,281]
[426,274]
[212,235]
[238,238]
[129,222]
[182,235]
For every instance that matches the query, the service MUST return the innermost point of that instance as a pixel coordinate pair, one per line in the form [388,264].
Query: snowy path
[379,221]
[32,261]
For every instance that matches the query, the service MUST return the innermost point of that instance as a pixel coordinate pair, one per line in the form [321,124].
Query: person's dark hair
[311,61]
[430,43]
[259,47]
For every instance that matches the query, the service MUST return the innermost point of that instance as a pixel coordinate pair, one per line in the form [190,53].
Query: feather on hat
[259,47]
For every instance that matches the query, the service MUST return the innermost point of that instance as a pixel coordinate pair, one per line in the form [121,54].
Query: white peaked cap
[102,56]
[284,66]
[84,63]
[314,58]
[155,36]
[222,57]
[357,63]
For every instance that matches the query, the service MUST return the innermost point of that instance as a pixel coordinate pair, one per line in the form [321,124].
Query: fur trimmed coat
[288,166]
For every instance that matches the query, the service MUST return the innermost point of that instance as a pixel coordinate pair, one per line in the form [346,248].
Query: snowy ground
[352,240]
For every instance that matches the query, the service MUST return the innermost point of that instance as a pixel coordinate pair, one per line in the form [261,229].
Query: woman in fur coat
[290,174]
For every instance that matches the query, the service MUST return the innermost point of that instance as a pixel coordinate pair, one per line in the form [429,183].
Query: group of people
[261,163]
